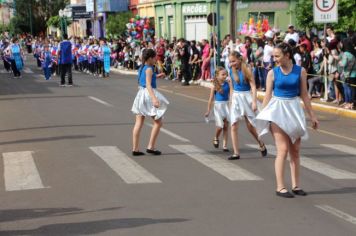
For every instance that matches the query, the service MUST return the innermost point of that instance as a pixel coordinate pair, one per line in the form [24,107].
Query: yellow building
[146,8]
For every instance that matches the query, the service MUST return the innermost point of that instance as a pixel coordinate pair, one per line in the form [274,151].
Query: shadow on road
[334,191]
[91,227]
[35,140]
[23,214]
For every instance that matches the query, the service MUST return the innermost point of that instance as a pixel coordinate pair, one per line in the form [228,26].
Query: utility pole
[94,15]
[233,20]
[218,32]
[31,26]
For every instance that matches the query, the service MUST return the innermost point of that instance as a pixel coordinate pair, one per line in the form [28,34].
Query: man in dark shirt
[65,60]
[184,55]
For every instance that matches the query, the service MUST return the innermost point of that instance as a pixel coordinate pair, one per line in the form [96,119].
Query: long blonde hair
[217,85]
[244,68]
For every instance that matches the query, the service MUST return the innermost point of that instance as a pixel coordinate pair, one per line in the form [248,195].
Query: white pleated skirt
[142,104]
[241,106]
[221,112]
[287,113]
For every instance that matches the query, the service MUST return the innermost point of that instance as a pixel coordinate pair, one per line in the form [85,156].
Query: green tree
[346,12]
[116,23]
[41,11]
[55,21]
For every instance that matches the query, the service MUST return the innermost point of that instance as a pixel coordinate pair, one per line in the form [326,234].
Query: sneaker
[62,85]
[70,85]
[191,82]
[183,81]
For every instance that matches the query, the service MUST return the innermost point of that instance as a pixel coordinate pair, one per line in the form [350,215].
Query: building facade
[6,12]
[133,6]
[279,13]
[146,8]
[188,18]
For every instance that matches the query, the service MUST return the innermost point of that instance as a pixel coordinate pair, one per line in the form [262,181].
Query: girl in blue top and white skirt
[219,93]
[148,102]
[283,115]
[243,101]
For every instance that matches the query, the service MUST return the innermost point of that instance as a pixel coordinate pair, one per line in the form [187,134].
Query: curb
[124,72]
[316,106]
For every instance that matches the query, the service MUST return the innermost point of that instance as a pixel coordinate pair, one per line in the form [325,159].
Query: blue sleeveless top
[224,96]
[242,86]
[287,86]
[142,77]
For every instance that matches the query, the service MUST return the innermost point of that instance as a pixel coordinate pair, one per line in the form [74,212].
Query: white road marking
[342,215]
[20,171]
[130,171]
[100,101]
[225,168]
[341,148]
[317,166]
[27,70]
[170,133]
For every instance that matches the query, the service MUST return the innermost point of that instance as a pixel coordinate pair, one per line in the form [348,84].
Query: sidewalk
[316,103]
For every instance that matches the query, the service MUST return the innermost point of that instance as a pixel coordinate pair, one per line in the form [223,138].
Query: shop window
[261,16]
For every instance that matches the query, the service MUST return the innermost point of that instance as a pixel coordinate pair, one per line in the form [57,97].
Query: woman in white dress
[283,115]
[243,102]
[148,102]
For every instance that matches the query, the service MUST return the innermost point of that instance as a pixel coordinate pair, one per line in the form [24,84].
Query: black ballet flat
[263,150]
[137,153]
[299,192]
[285,195]
[234,157]
[153,152]
[216,142]
[225,149]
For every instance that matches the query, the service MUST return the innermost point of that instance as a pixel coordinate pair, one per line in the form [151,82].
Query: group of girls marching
[240,91]
[12,56]
[281,112]
[92,57]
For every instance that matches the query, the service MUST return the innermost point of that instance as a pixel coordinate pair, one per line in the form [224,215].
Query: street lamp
[63,21]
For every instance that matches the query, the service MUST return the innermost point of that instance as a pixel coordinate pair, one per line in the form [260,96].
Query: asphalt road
[66,167]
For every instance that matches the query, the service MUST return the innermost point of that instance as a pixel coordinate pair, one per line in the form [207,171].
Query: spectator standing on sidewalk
[65,58]
[184,57]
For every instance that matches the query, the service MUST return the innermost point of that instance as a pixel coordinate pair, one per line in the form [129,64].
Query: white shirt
[298,59]
[294,36]
[238,46]
[267,53]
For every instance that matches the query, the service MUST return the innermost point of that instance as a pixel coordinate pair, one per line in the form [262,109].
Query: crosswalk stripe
[20,171]
[170,133]
[341,148]
[317,166]
[342,215]
[225,168]
[27,70]
[130,171]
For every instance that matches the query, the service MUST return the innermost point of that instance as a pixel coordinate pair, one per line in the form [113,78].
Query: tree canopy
[346,10]
[42,11]
[116,23]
